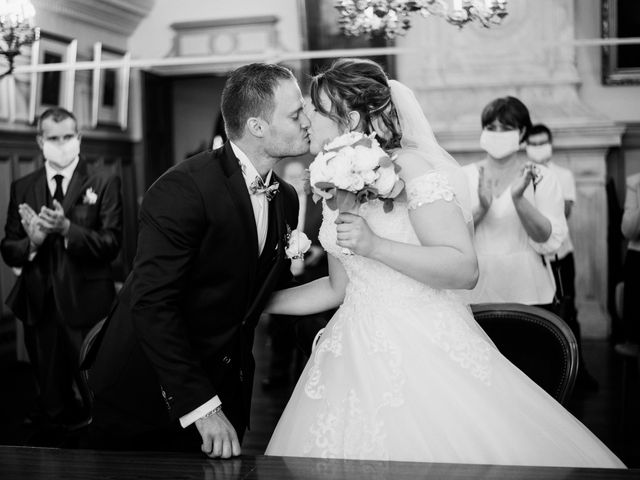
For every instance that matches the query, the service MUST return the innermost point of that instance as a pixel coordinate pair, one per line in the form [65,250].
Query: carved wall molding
[459,71]
[118,16]
[230,36]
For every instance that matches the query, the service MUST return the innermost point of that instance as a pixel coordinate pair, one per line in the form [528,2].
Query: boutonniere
[297,244]
[90,196]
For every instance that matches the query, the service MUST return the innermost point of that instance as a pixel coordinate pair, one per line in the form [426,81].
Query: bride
[402,371]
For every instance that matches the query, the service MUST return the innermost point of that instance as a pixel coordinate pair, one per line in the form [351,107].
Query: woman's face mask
[60,155]
[500,144]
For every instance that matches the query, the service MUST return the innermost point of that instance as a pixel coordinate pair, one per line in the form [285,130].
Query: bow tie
[257,187]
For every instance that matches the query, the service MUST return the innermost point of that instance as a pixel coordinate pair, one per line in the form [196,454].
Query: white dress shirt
[509,261]
[260,206]
[259,202]
[66,172]
[568,187]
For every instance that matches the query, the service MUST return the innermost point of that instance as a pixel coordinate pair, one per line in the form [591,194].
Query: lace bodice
[385,318]
[375,278]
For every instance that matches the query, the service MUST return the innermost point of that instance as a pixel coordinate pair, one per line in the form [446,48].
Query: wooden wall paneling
[7,277]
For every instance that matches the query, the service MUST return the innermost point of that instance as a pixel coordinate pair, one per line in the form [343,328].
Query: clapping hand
[529,173]
[485,190]
[53,220]
[32,224]
[355,234]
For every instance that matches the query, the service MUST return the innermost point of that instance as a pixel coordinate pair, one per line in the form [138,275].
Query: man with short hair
[174,367]
[64,227]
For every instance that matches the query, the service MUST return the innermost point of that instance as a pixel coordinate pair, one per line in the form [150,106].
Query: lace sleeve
[428,188]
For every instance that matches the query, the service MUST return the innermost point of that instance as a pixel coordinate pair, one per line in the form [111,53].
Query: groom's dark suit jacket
[182,328]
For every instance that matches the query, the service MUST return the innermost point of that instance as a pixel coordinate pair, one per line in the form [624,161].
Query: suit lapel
[40,191]
[240,195]
[75,185]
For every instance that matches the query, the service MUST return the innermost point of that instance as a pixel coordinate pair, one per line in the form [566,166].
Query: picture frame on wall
[321,31]
[53,49]
[620,63]
[110,90]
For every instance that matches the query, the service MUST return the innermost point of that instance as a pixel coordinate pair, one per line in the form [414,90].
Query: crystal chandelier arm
[16,29]
[392,18]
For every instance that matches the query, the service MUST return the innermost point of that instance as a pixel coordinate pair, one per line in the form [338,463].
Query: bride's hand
[355,234]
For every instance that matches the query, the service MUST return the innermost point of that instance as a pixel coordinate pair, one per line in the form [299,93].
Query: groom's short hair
[248,93]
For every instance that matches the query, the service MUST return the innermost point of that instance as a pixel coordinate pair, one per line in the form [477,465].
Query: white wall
[196,105]
[153,37]
[50,19]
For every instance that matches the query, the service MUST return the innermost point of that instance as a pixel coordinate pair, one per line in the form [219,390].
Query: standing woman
[518,212]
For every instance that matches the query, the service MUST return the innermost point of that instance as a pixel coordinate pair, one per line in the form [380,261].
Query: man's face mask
[61,154]
[539,153]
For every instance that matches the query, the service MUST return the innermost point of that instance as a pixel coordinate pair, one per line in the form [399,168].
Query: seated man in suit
[64,227]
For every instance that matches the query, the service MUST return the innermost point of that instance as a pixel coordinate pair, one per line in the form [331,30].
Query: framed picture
[110,90]
[53,49]
[620,63]
[321,31]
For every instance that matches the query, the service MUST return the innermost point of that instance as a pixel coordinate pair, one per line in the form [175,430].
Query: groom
[173,367]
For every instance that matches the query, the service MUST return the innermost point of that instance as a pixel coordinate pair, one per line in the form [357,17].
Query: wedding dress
[403,372]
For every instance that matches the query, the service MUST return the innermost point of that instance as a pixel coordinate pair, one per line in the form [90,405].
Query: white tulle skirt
[417,380]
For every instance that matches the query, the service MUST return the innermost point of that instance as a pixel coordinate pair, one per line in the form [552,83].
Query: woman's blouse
[511,265]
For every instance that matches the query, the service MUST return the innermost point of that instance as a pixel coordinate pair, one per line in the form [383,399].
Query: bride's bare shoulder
[412,163]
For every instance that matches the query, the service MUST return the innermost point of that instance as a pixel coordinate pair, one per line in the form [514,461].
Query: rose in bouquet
[353,169]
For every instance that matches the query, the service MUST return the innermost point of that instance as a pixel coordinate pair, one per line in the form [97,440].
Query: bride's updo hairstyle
[359,85]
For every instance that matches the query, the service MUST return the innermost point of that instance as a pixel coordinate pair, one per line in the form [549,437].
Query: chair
[536,341]
[86,392]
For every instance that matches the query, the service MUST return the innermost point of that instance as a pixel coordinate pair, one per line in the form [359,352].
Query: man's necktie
[58,194]
[258,187]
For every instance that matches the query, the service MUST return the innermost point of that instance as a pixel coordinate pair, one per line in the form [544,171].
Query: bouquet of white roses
[353,169]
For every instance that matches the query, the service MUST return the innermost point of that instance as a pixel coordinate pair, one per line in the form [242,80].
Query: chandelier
[16,29]
[391,18]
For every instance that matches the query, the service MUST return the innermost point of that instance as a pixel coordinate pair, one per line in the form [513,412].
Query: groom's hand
[219,438]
